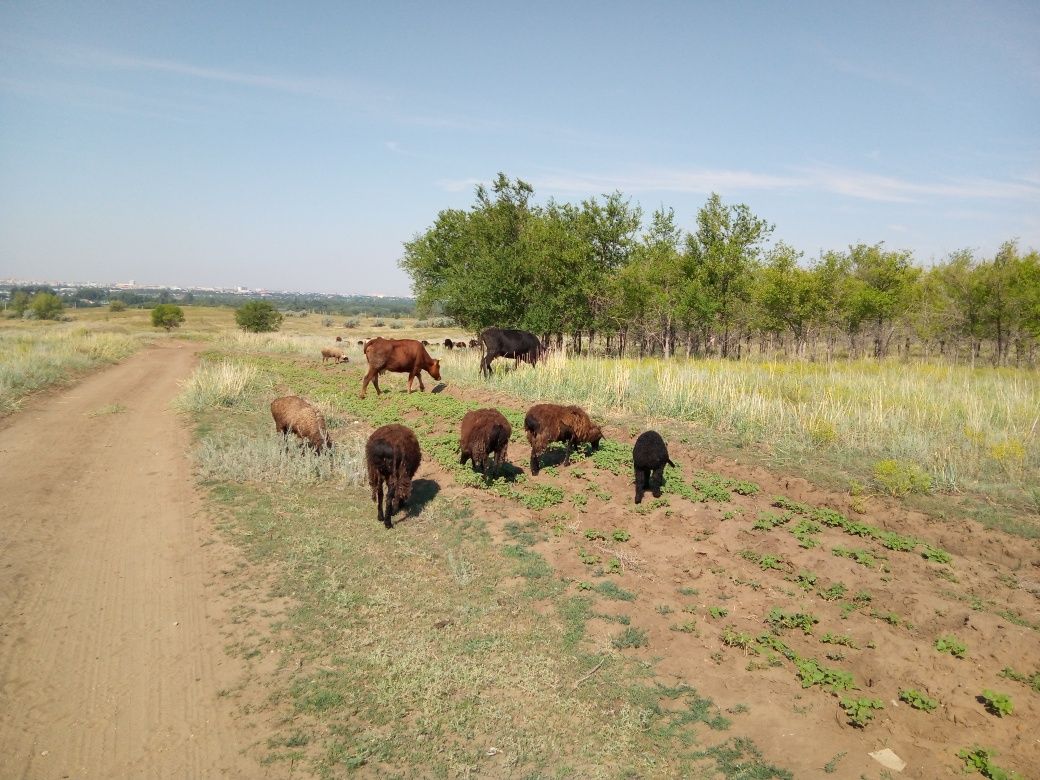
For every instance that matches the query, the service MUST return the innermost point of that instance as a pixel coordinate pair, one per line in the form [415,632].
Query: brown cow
[401,356]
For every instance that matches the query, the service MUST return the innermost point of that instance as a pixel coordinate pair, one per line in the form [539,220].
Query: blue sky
[296,146]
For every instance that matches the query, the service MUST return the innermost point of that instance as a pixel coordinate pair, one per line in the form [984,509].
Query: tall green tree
[725,251]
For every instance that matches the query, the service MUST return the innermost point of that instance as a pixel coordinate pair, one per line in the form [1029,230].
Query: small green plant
[981,760]
[862,557]
[804,530]
[718,612]
[918,700]
[664,609]
[630,637]
[778,620]
[686,591]
[832,766]
[589,559]
[733,638]
[834,592]
[686,627]
[593,535]
[810,673]
[998,704]
[806,580]
[839,639]
[951,645]
[611,591]
[767,521]
[614,566]
[1032,680]
[620,535]
[861,711]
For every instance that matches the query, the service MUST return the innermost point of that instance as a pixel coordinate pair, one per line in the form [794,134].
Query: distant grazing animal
[649,457]
[485,432]
[503,342]
[425,343]
[392,454]
[460,345]
[361,342]
[473,343]
[339,338]
[546,423]
[328,353]
[449,343]
[401,356]
[292,414]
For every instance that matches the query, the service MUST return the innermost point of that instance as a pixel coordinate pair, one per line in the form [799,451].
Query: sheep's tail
[403,480]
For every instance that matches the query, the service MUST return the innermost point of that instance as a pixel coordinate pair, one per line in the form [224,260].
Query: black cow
[503,342]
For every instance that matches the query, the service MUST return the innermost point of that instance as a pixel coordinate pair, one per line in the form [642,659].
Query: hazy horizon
[296,148]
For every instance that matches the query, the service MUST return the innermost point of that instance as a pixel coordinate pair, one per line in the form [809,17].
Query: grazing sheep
[473,343]
[449,343]
[649,457]
[334,354]
[546,423]
[460,345]
[339,338]
[485,432]
[393,455]
[361,342]
[293,414]
[425,343]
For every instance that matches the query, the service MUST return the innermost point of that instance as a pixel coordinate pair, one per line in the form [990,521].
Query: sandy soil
[111,649]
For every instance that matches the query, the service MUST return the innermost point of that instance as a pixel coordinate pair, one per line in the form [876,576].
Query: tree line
[599,274]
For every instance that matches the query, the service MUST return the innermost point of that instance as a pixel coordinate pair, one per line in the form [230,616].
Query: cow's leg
[640,485]
[364,384]
[411,378]
[422,387]
[375,383]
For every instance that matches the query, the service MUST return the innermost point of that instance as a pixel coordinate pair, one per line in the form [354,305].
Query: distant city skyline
[296,147]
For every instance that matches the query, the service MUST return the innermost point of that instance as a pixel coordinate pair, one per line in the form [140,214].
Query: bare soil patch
[111,605]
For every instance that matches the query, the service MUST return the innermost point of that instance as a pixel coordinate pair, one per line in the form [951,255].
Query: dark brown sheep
[393,456]
[546,423]
[485,432]
[449,343]
[339,338]
[425,343]
[361,342]
[401,356]
[473,343]
[460,345]
[649,457]
[292,414]
[329,353]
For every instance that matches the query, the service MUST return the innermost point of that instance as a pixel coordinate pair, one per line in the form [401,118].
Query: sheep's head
[595,435]
[435,370]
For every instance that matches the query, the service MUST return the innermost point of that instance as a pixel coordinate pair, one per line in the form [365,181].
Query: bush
[353,322]
[117,305]
[46,306]
[900,477]
[258,317]
[167,315]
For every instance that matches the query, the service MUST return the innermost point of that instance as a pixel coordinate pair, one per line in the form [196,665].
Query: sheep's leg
[640,485]
[534,462]
[463,458]
[379,501]
[570,445]
[658,477]
[389,504]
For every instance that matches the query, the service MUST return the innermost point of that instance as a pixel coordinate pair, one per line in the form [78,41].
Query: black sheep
[649,456]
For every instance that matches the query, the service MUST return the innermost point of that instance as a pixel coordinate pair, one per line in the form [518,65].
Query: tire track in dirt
[111,650]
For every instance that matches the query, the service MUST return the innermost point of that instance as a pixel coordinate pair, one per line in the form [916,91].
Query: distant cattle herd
[392,452]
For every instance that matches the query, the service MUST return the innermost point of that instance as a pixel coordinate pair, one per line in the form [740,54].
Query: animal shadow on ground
[439,387]
[556,453]
[508,472]
[423,492]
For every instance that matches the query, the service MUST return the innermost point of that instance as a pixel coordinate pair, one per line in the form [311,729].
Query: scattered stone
[888,759]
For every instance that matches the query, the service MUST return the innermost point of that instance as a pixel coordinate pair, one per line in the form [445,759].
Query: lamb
[449,343]
[293,414]
[334,354]
[546,423]
[649,457]
[393,455]
[485,432]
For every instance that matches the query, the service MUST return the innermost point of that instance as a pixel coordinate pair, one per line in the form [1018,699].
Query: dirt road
[111,654]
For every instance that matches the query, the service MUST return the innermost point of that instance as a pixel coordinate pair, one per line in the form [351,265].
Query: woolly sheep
[546,423]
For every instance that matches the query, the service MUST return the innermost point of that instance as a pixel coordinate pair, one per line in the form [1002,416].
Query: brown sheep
[485,432]
[546,423]
[473,343]
[328,353]
[403,356]
[460,345]
[425,343]
[361,342]
[393,456]
[339,338]
[293,414]
[449,343]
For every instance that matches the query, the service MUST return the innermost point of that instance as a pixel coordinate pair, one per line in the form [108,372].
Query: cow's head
[435,370]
